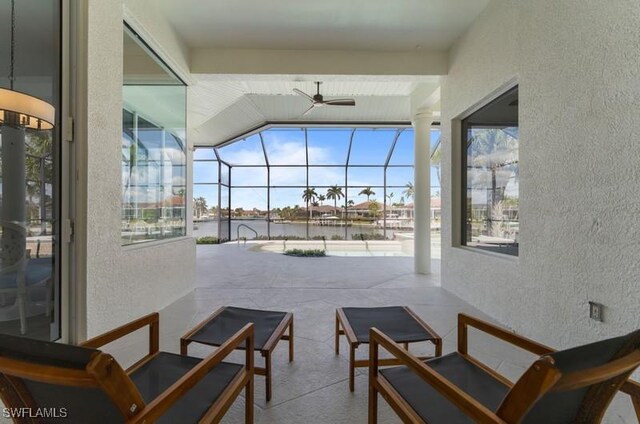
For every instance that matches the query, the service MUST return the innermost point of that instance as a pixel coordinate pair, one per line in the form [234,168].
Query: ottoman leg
[291,341]
[352,367]
[337,335]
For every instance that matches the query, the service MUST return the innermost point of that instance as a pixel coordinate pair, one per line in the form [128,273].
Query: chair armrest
[154,409]
[152,320]
[453,393]
[465,321]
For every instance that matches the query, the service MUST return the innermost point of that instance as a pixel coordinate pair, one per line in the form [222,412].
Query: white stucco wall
[122,283]
[577,63]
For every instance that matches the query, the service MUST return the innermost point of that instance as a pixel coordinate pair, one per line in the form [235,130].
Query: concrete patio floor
[314,388]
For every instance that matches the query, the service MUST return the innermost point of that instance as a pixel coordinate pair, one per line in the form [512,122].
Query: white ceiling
[390,25]
[221,107]
[211,94]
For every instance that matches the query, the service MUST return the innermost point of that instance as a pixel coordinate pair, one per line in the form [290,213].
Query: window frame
[128,30]
[464,209]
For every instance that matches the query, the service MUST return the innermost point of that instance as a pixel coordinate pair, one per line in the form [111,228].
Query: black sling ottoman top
[400,323]
[269,328]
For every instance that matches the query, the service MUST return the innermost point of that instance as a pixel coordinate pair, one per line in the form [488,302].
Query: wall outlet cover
[596,311]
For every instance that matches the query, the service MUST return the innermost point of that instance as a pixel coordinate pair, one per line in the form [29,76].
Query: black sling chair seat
[570,386]
[83,384]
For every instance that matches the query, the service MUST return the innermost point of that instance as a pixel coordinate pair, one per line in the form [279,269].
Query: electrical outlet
[596,311]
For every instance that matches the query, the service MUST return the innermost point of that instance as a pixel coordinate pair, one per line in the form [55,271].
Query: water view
[289,229]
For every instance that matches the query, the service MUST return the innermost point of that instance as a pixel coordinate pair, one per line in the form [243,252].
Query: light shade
[31,111]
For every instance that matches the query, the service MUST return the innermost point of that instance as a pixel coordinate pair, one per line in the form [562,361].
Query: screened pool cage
[283,182]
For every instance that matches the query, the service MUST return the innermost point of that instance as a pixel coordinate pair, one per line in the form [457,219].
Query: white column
[422,192]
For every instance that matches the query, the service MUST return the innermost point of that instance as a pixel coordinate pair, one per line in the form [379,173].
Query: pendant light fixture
[18,108]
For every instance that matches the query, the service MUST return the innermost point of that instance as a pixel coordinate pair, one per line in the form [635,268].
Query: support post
[422,192]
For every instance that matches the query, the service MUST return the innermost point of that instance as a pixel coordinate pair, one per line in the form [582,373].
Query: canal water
[210,228]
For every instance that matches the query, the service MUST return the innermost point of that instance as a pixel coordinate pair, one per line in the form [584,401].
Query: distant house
[362,210]
[324,210]
[406,211]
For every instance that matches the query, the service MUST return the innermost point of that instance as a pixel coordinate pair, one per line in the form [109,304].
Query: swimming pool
[338,248]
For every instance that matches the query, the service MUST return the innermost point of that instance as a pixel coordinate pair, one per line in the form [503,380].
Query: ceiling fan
[317,100]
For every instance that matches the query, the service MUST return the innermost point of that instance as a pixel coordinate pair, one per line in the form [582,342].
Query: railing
[248,228]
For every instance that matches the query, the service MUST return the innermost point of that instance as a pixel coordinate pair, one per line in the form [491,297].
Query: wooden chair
[83,384]
[570,386]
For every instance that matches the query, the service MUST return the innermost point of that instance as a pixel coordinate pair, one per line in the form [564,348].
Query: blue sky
[285,146]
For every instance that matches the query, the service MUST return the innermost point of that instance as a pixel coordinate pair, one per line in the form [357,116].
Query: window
[153,147]
[491,176]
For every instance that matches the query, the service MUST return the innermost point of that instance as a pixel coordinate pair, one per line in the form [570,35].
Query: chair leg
[267,376]
[248,402]
[352,367]
[373,404]
[373,376]
[337,336]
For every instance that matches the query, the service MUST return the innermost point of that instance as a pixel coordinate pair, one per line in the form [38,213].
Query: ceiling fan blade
[309,110]
[340,102]
[303,94]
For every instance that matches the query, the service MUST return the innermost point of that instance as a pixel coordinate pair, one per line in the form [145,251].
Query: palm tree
[196,208]
[390,197]
[200,206]
[374,209]
[409,191]
[309,195]
[321,198]
[350,203]
[367,192]
[436,162]
[335,193]
[492,154]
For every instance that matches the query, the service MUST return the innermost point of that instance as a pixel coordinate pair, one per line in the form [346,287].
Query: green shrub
[305,253]
[337,237]
[207,240]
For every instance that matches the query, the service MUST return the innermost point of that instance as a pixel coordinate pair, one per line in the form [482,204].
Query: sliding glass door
[30,173]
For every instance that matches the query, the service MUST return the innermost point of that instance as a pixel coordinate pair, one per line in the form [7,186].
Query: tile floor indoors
[314,388]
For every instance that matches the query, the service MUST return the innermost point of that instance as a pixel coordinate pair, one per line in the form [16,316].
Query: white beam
[317,62]
[425,96]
